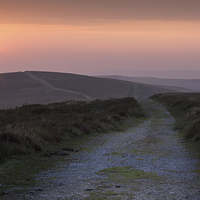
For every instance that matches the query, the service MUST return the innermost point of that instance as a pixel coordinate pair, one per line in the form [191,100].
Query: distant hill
[35,87]
[181,85]
[173,74]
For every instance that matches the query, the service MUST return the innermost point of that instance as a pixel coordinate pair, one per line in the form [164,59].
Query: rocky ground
[148,161]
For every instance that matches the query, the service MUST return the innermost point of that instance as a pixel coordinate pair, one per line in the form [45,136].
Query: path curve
[54,88]
[163,167]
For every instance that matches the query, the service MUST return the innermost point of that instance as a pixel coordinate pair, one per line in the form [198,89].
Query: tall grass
[29,128]
[185,107]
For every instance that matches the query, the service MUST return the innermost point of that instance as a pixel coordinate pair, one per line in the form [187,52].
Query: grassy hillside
[185,108]
[174,74]
[100,88]
[32,128]
[22,88]
[180,85]
[17,89]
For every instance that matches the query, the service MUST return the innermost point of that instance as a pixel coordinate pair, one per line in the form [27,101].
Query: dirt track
[54,88]
[146,162]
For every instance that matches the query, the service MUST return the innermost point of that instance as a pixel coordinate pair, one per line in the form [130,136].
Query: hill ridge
[36,87]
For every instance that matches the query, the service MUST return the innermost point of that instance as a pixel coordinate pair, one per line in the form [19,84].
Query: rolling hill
[181,85]
[35,87]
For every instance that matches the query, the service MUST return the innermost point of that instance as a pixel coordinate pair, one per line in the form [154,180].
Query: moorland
[180,85]
[32,87]
[31,114]
[43,114]
[185,107]
[32,128]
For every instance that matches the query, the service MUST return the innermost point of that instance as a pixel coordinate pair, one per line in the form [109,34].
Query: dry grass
[29,128]
[185,107]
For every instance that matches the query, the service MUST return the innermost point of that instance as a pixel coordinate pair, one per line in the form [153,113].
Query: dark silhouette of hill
[35,87]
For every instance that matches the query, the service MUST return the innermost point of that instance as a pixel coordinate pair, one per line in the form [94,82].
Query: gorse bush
[29,128]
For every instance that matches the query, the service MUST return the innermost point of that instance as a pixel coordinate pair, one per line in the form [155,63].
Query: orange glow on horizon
[142,34]
[142,38]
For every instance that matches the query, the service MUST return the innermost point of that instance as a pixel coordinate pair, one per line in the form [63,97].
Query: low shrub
[194,131]
[185,107]
[29,128]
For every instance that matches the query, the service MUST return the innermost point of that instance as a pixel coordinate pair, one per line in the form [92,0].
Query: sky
[94,36]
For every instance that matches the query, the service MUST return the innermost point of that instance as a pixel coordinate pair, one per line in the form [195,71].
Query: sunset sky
[88,36]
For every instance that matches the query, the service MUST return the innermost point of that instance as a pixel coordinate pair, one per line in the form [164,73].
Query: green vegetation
[185,107]
[127,174]
[31,128]
[18,174]
[119,179]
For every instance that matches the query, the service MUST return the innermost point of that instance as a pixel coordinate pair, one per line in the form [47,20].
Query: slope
[101,88]
[35,87]
[181,85]
[17,89]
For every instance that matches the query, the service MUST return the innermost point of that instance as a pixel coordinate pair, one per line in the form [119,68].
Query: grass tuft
[127,174]
[28,129]
[185,107]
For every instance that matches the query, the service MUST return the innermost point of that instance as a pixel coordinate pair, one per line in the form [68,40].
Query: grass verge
[30,135]
[185,107]
[30,128]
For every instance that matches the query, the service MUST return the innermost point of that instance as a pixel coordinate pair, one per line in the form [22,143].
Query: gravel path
[146,162]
